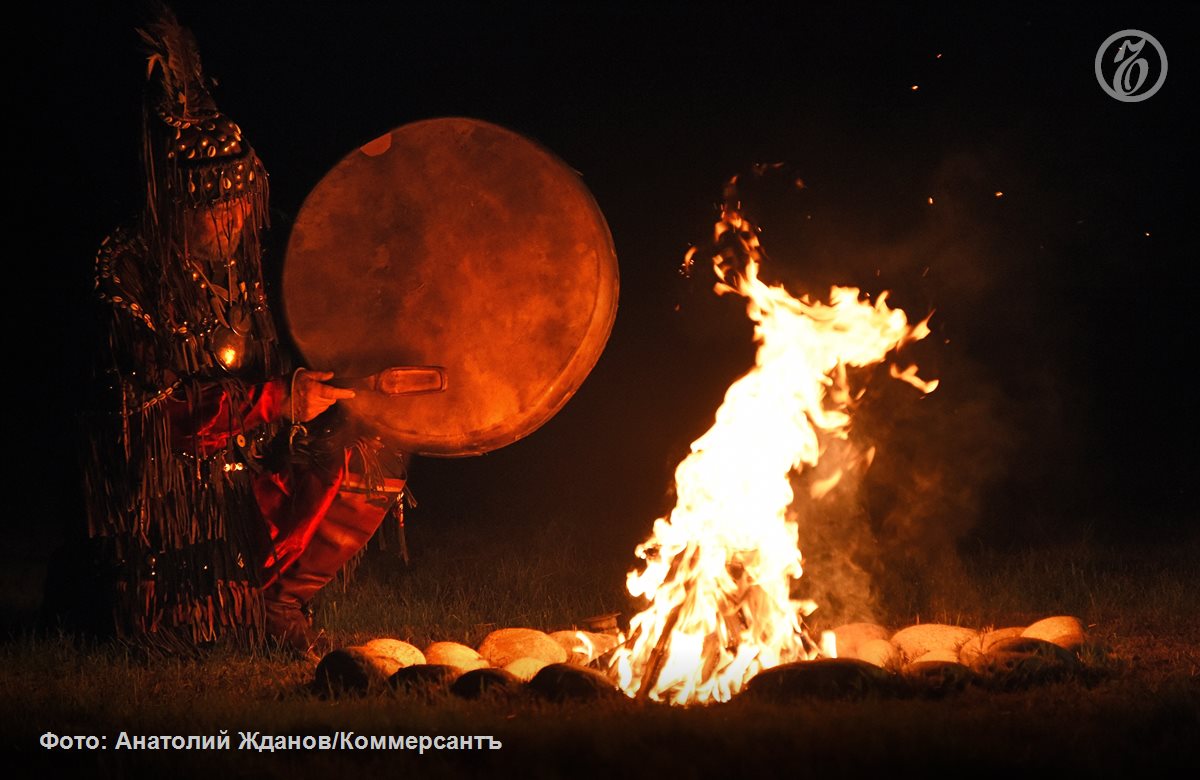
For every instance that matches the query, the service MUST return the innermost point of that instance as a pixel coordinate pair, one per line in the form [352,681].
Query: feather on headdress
[194,154]
[171,52]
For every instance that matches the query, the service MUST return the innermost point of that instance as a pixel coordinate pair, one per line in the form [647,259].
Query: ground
[1136,707]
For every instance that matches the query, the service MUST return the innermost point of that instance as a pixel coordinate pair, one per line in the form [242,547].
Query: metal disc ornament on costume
[453,243]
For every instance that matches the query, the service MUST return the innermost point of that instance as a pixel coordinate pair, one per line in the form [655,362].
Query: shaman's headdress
[199,169]
[194,155]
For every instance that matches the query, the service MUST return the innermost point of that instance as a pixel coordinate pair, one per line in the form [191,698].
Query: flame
[585,647]
[829,644]
[719,568]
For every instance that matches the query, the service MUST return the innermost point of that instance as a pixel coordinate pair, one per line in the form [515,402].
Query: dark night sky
[1064,391]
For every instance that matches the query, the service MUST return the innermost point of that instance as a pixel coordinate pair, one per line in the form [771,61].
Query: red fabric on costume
[293,501]
[203,425]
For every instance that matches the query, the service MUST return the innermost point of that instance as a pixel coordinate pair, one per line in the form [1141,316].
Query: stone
[583,650]
[425,677]
[454,654]
[361,667]
[503,646]
[937,656]
[985,641]
[916,641]
[1019,662]
[570,642]
[525,668]
[852,636]
[879,652]
[824,678]
[562,682]
[349,669]
[394,652]
[937,673]
[486,682]
[1065,631]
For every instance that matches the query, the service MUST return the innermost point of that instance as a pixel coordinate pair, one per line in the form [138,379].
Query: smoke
[839,546]
[884,545]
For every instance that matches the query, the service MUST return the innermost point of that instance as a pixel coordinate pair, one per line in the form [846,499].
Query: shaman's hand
[310,395]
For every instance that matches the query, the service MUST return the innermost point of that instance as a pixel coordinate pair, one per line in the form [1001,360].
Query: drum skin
[456,243]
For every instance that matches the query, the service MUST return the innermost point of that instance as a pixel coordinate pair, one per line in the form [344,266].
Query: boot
[345,529]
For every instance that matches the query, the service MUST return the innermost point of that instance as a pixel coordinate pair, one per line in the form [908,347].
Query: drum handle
[399,380]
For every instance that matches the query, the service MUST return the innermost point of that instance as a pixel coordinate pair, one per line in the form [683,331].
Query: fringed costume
[195,490]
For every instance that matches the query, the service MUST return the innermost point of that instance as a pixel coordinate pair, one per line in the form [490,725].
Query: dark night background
[1063,334]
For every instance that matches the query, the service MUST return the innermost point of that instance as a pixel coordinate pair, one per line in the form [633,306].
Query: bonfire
[720,568]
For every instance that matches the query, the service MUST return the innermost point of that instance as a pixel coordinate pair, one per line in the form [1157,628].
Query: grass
[466,584]
[1138,708]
